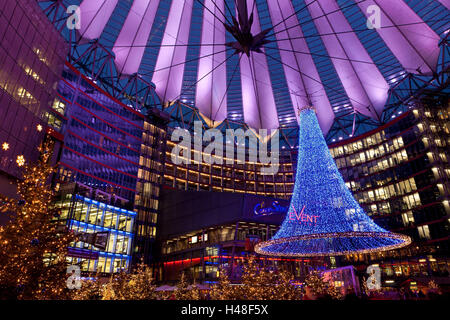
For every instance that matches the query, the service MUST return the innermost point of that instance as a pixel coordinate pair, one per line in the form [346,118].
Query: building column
[203,257]
[233,248]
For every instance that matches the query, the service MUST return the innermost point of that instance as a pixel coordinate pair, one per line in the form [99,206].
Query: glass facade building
[148,187]
[32,55]
[201,232]
[400,174]
[113,149]
[102,138]
[82,213]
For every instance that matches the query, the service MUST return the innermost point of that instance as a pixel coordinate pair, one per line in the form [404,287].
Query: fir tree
[140,285]
[90,290]
[137,285]
[195,293]
[317,287]
[257,283]
[223,290]
[33,248]
[284,289]
[182,291]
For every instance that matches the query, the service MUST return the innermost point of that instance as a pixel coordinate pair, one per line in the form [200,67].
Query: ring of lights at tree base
[323,218]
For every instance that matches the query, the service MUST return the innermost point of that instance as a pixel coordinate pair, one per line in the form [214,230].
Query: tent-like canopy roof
[257,61]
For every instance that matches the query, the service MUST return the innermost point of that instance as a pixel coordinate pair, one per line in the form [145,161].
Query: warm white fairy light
[20,160]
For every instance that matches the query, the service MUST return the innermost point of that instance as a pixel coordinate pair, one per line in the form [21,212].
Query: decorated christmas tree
[256,283]
[323,218]
[32,247]
[183,292]
[137,285]
[261,283]
[223,290]
[317,287]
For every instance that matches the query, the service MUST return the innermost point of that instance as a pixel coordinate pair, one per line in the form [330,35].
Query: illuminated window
[407,218]
[59,106]
[25,95]
[33,74]
[53,121]
[424,232]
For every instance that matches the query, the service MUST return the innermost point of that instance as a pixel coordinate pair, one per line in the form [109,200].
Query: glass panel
[108,265]
[101,264]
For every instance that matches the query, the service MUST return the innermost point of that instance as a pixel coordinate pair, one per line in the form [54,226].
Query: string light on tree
[324,219]
[260,283]
[135,285]
[20,160]
[223,290]
[317,286]
[5,146]
[39,127]
[33,247]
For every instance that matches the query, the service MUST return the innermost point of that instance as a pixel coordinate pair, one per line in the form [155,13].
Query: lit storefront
[219,230]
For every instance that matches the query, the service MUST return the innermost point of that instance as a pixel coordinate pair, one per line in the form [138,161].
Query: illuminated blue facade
[102,139]
[113,154]
[84,215]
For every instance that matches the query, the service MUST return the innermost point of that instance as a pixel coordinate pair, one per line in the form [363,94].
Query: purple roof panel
[259,107]
[93,17]
[130,44]
[415,45]
[305,86]
[211,97]
[360,77]
[169,69]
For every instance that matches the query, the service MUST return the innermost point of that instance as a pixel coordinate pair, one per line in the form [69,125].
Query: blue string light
[323,217]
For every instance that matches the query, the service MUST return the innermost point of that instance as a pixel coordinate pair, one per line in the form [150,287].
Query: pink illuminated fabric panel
[362,81]
[169,69]
[305,88]
[211,98]
[445,3]
[415,45]
[258,101]
[93,17]
[130,45]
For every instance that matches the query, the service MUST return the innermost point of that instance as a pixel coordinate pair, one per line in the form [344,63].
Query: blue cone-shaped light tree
[323,218]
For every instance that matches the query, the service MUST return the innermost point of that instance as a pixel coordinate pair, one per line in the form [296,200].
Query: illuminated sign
[198,238]
[301,217]
[262,210]
[81,253]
